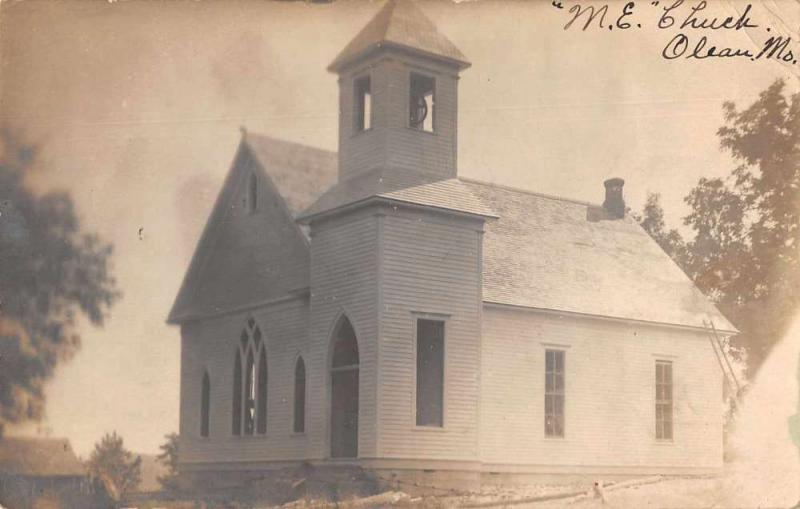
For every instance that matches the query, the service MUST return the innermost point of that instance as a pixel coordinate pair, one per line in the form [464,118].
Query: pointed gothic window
[300,396]
[421,102]
[262,391]
[363,104]
[205,402]
[250,394]
[250,384]
[236,412]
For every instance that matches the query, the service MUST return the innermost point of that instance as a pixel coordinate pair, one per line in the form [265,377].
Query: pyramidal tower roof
[400,24]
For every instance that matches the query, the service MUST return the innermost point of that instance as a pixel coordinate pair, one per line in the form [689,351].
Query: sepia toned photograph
[399,253]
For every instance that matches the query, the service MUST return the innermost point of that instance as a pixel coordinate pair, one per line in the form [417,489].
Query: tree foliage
[744,253]
[50,274]
[652,220]
[169,458]
[116,466]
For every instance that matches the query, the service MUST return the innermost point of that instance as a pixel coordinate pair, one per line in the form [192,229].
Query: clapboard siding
[391,143]
[385,266]
[430,265]
[344,261]
[413,149]
[211,345]
[610,391]
[362,151]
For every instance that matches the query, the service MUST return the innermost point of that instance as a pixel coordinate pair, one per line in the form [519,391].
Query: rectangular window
[421,102]
[430,373]
[554,393]
[299,396]
[363,104]
[663,400]
[205,404]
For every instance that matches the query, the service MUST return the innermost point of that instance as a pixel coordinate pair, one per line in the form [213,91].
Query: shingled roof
[552,253]
[38,457]
[400,185]
[540,251]
[299,174]
[400,24]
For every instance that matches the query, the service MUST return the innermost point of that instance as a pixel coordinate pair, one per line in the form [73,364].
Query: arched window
[252,194]
[250,385]
[250,394]
[262,392]
[345,350]
[236,412]
[205,397]
[300,396]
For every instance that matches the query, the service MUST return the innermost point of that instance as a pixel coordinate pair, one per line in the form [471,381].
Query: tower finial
[243,130]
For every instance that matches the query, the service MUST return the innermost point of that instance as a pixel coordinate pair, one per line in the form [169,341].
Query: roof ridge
[250,135]
[528,191]
[400,24]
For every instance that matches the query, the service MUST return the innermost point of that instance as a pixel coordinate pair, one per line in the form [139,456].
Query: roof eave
[189,315]
[378,199]
[342,62]
[697,328]
[195,260]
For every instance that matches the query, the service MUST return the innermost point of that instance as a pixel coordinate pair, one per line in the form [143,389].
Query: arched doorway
[344,392]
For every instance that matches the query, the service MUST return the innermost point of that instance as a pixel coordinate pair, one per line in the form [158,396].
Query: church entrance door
[344,392]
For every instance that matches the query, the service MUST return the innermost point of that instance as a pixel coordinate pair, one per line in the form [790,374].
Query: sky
[137,105]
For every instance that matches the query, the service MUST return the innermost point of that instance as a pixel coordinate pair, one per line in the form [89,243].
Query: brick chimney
[614,203]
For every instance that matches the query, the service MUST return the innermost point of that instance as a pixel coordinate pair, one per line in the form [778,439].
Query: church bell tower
[396,244]
[398,108]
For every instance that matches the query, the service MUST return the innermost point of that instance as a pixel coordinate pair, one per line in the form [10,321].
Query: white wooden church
[371,307]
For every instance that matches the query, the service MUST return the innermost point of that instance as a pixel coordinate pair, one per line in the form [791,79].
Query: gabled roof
[235,272]
[39,457]
[403,25]
[539,251]
[400,185]
[300,172]
[552,253]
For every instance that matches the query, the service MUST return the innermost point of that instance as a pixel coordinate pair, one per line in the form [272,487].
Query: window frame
[660,430]
[444,319]
[250,342]
[432,107]
[554,393]
[361,121]
[238,388]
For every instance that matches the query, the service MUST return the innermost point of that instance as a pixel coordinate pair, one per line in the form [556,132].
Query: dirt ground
[675,493]
[646,493]
[668,493]
[665,493]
